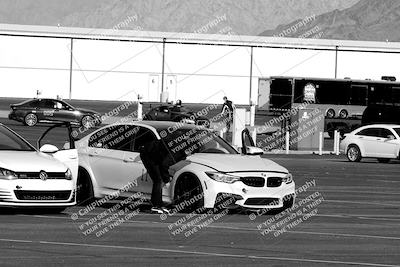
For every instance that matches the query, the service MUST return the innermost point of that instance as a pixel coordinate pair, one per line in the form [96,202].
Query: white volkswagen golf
[381,141]
[33,179]
[109,160]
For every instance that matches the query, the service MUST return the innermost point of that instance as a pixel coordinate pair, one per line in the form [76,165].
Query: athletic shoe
[166,210]
[157,210]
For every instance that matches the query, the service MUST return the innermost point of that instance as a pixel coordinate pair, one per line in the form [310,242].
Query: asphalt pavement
[347,214]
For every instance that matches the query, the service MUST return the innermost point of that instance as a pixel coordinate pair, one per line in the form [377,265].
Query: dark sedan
[175,113]
[31,112]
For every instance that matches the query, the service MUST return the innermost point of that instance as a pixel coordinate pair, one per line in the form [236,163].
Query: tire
[188,189]
[343,114]
[354,153]
[330,113]
[381,160]
[84,188]
[87,121]
[30,120]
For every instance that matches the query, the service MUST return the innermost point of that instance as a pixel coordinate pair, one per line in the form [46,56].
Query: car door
[143,136]
[387,144]
[106,151]
[369,139]
[60,136]
[62,112]
[46,110]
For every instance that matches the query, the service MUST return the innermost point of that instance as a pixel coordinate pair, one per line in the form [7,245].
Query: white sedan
[33,179]
[381,141]
[215,172]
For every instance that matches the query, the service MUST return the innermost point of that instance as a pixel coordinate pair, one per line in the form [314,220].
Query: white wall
[206,73]
[357,65]
[28,64]
[113,70]
[108,70]
[293,62]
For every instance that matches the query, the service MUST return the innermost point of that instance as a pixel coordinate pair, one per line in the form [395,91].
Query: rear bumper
[13,116]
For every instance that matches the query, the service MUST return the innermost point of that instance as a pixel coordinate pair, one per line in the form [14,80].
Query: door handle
[128,160]
[94,153]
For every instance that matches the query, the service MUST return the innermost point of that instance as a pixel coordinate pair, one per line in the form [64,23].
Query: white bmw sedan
[33,179]
[215,172]
[381,141]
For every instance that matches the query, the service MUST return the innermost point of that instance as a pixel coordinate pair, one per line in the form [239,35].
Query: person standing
[157,159]
[227,110]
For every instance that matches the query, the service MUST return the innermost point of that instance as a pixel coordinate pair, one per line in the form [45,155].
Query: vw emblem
[43,176]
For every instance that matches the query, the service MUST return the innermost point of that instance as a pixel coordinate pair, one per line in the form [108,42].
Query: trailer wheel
[330,113]
[343,114]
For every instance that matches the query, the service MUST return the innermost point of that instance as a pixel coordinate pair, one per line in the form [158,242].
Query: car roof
[382,125]
[156,126]
[162,125]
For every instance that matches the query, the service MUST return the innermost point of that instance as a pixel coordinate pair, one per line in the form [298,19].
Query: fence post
[287,143]
[337,143]
[321,142]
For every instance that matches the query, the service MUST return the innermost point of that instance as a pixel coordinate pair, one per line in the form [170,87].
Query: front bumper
[37,193]
[250,197]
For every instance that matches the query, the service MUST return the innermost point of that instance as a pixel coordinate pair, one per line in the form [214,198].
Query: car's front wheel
[354,153]
[31,119]
[87,121]
[84,188]
[189,194]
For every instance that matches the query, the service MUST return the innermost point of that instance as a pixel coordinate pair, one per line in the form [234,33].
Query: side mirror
[48,149]
[254,151]
[390,137]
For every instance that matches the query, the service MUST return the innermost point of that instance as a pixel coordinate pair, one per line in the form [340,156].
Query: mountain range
[372,20]
[368,20]
[244,17]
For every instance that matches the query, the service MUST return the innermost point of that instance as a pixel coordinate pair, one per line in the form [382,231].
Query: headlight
[222,177]
[7,174]
[288,178]
[68,175]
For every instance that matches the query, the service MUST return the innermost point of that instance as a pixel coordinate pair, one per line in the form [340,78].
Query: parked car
[36,179]
[173,113]
[31,112]
[380,113]
[381,141]
[109,159]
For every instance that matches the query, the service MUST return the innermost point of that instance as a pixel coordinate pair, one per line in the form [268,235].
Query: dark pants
[155,174]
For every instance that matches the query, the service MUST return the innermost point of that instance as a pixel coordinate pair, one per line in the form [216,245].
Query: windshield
[10,141]
[196,140]
[397,130]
